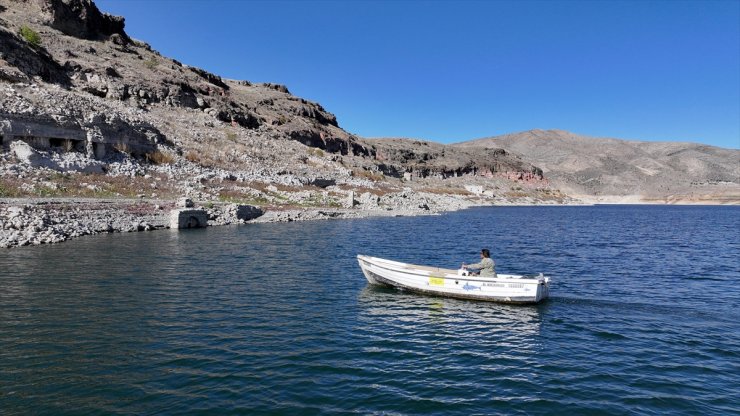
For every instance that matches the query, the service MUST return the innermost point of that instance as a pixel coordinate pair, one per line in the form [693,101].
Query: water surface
[278,319]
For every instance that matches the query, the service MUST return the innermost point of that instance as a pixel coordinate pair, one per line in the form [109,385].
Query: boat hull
[448,283]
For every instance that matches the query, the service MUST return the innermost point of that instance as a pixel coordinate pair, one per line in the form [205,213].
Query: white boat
[455,283]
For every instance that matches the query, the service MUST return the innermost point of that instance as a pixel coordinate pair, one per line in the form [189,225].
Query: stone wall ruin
[51,135]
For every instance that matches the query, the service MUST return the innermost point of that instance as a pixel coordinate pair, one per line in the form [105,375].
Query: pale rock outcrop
[30,156]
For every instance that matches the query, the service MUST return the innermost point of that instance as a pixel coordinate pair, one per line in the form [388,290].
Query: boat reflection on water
[392,311]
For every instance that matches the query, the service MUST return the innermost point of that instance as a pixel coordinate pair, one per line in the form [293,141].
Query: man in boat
[486,267]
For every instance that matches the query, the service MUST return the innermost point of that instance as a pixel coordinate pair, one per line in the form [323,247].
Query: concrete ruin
[49,135]
[95,140]
[188,218]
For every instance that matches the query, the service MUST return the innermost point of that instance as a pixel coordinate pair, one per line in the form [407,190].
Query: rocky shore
[36,221]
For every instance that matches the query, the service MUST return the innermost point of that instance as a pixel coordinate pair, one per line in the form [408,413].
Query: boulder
[369,200]
[185,203]
[321,182]
[30,156]
[243,212]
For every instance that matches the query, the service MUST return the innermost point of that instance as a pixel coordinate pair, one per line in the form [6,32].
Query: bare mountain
[622,170]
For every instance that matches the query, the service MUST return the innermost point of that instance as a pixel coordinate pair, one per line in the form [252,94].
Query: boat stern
[543,288]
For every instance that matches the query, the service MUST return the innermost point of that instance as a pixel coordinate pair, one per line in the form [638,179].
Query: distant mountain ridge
[601,167]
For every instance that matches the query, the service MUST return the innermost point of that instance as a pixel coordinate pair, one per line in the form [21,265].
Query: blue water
[278,319]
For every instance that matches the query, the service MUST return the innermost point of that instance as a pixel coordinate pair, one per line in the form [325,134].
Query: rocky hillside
[626,170]
[79,96]
[87,111]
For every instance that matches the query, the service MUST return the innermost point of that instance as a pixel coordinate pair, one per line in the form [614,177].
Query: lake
[278,319]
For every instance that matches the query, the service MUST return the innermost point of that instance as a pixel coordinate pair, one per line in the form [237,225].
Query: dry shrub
[10,188]
[367,174]
[239,196]
[314,164]
[151,63]
[315,151]
[192,156]
[159,158]
[258,186]
[447,191]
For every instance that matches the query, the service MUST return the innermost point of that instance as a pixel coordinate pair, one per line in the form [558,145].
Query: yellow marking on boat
[436,281]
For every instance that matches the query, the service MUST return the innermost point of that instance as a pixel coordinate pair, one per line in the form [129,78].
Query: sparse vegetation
[8,190]
[231,136]
[315,151]
[516,194]
[50,190]
[151,63]
[239,197]
[192,156]
[219,153]
[368,174]
[447,191]
[31,36]
[87,186]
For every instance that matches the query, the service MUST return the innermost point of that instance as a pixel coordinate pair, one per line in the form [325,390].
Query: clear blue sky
[453,71]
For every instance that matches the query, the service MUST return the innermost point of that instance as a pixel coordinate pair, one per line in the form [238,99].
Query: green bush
[31,36]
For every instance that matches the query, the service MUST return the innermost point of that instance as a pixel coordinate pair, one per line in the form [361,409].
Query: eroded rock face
[20,62]
[83,19]
[427,159]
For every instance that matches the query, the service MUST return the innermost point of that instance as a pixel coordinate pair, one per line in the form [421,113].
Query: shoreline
[37,221]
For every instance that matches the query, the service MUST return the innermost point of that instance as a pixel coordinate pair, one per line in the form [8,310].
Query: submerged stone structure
[188,218]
